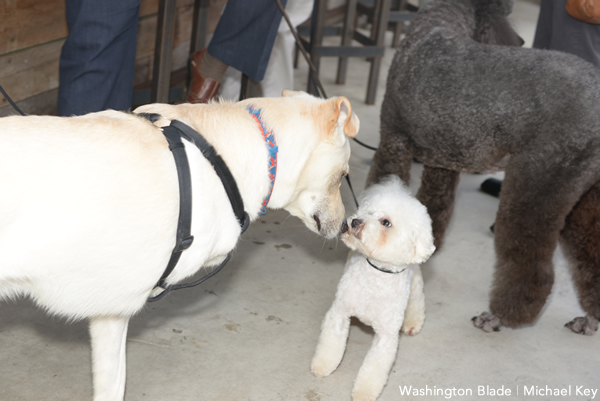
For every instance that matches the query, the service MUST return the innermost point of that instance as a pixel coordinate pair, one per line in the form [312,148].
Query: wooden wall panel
[30,72]
[27,23]
[148,7]
[32,33]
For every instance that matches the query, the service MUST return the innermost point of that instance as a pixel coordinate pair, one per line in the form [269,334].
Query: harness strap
[173,133]
[220,167]
[184,222]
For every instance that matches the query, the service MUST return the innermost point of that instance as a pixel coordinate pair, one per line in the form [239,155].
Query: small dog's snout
[344,227]
[356,223]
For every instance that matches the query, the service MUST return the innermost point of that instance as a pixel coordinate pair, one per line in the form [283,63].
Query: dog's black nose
[356,222]
[344,227]
[318,221]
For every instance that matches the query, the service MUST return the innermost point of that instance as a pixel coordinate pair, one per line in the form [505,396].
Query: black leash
[174,134]
[315,79]
[313,71]
[10,101]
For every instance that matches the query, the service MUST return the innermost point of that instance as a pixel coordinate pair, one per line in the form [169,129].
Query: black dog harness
[174,134]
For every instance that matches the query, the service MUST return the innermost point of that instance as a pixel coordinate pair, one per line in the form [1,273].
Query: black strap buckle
[184,244]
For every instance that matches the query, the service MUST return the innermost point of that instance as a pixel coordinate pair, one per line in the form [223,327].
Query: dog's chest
[370,294]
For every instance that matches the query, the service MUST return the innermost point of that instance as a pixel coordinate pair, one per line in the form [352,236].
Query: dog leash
[313,71]
[316,81]
[10,101]
[174,134]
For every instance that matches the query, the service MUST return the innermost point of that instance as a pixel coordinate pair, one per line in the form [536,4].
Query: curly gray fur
[459,98]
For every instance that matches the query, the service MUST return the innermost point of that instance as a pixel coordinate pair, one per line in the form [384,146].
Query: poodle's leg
[332,342]
[437,193]
[394,155]
[374,372]
[581,243]
[531,214]
[414,316]
[108,334]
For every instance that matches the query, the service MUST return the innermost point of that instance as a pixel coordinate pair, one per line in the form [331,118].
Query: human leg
[98,58]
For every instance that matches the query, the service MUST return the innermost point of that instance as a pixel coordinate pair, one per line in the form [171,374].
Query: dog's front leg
[332,342]
[108,335]
[437,193]
[414,316]
[374,372]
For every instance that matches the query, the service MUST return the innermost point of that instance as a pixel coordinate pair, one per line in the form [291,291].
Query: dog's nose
[356,223]
[344,227]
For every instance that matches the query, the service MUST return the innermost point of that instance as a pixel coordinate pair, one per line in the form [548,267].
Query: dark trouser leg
[98,58]
[245,35]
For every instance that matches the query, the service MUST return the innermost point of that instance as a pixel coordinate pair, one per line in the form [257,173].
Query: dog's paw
[413,327]
[321,367]
[363,395]
[369,383]
[587,325]
[487,322]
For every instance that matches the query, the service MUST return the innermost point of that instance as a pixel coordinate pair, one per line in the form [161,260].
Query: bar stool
[400,13]
[165,29]
[372,47]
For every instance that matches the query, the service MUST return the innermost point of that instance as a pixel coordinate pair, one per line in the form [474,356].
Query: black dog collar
[381,269]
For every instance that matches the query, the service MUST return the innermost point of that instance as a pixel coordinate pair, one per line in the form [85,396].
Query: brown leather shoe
[201,89]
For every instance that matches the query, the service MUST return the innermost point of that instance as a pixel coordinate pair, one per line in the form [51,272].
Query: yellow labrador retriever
[89,205]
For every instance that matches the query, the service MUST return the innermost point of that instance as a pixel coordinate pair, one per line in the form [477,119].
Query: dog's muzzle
[356,223]
[355,228]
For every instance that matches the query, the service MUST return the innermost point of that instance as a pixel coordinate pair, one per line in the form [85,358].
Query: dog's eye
[386,223]
[341,177]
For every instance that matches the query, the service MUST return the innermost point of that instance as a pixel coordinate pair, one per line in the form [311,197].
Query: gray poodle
[462,96]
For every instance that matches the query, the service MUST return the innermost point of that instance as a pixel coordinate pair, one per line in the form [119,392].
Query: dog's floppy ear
[345,117]
[424,248]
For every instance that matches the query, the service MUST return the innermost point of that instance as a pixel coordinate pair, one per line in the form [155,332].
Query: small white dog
[390,235]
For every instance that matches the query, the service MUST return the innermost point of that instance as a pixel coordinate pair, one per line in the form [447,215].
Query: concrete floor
[249,333]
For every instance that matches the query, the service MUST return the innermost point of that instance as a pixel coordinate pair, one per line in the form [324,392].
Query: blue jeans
[97,61]
[245,35]
[557,30]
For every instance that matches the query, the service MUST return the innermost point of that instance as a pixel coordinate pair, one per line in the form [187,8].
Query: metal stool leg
[316,39]
[199,24]
[245,87]
[347,35]
[383,18]
[161,76]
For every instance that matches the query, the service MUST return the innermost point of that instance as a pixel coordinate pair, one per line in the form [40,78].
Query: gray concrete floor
[249,333]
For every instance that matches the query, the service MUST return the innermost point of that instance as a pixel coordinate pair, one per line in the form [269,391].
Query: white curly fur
[393,230]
